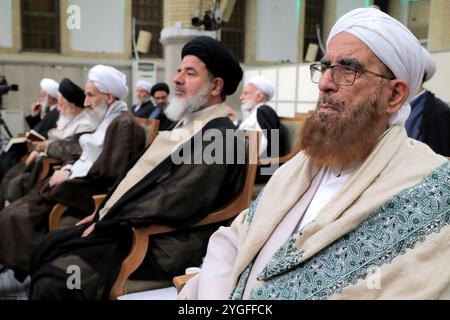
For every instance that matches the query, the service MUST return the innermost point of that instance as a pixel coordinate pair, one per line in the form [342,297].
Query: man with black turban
[165,185]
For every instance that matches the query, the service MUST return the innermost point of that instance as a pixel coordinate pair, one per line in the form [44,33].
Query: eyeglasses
[344,76]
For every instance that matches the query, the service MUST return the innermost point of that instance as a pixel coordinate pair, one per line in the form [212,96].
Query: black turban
[160,87]
[218,59]
[72,93]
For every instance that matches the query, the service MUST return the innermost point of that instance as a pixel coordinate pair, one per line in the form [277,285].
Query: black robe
[24,221]
[13,156]
[21,179]
[268,120]
[144,111]
[435,125]
[43,126]
[172,194]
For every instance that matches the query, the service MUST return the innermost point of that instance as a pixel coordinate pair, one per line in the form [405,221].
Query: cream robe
[397,163]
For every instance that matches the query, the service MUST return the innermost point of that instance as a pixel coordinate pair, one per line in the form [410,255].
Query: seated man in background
[363,212]
[47,104]
[170,184]
[144,107]
[429,121]
[160,94]
[62,143]
[257,92]
[105,154]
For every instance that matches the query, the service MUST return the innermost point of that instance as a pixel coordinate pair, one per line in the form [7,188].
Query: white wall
[6,24]
[344,6]
[102,26]
[276,35]
[294,90]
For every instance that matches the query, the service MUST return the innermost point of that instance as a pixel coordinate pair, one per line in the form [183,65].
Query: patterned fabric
[402,222]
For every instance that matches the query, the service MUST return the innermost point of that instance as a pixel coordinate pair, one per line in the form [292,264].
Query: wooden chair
[56,215]
[236,206]
[141,235]
[293,126]
[151,127]
[180,281]
[49,164]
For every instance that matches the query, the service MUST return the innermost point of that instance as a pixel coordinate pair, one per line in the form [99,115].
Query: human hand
[86,220]
[58,177]
[31,158]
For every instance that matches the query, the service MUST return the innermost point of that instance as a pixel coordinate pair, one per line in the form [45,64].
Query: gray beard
[178,107]
[63,121]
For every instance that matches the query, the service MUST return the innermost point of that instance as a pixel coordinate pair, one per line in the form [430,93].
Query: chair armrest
[180,281]
[135,256]
[54,220]
[47,164]
[281,160]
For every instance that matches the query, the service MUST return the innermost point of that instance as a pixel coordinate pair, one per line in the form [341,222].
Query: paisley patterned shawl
[385,235]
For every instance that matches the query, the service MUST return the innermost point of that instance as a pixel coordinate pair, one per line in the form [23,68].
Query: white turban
[109,80]
[264,85]
[50,87]
[144,85]
[392,43]
[430,64]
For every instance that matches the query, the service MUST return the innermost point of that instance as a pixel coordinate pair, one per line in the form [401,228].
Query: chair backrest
[150,126]
[293,129]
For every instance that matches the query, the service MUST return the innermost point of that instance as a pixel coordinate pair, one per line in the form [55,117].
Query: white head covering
[392,43]
[109,80]
[263,84]
[50,87]
[144,85]
[430,64]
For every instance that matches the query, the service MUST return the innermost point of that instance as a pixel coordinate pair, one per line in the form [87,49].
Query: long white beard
[248,106]
[45,105]
[63,121]
[142,101]
[178,107]
[97,114]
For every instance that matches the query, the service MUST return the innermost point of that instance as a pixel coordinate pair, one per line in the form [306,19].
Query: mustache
[329,102]
[180,88]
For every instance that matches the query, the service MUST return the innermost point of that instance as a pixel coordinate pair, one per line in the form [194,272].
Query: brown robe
[26,220]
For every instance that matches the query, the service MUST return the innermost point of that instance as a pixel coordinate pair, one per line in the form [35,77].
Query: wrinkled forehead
[345,46]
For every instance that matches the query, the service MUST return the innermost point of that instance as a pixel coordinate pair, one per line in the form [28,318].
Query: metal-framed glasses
[344,76]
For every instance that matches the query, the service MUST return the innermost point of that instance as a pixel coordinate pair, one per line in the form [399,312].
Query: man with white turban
[430,116]
[105,154]
[48,104]
[363,211]
[144,107]
[157,188]
[257,92]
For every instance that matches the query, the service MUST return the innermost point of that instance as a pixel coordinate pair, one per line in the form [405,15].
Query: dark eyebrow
[350,62]
[325,61]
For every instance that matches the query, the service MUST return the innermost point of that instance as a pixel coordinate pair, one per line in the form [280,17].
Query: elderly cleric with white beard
[156,189]
[105,154]
[363,211]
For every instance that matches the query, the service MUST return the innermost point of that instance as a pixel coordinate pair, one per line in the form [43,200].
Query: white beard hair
[98,113]
[63,121]
[248,105]
[178,107]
